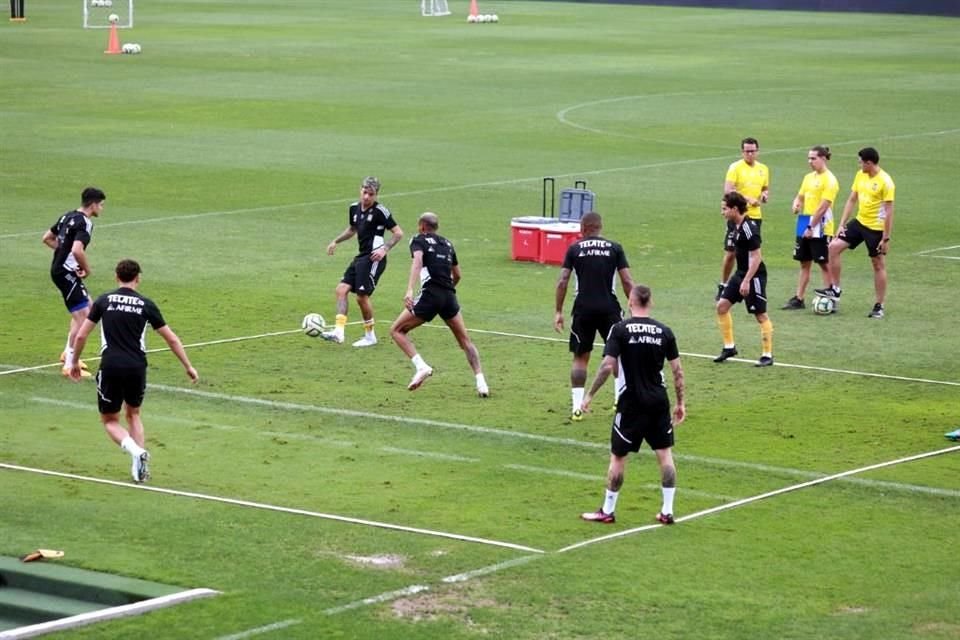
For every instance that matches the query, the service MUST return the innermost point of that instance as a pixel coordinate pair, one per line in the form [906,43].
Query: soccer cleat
[828,292]
[599,516]
[764,361]
[794,303]
[720,287]
[140,469]
[876,312]
[665,518]
[726,353]
[577,415]
[483,390]
[365,341]
[419,378]
[953,435]
[332,336]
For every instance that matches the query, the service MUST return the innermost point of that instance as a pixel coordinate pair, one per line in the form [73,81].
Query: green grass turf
[230,149]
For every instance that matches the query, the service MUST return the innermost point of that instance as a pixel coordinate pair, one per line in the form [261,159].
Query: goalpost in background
[96,13]
[430,8]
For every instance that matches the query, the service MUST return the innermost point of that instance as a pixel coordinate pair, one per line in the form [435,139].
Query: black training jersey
[746,238]
[370,225]
[439,258]
[124,315]
[71,226]
[595,263]
[642,345]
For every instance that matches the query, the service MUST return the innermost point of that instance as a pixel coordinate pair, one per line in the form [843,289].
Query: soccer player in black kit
[436,269]
[69,237]
[640,345]
[122,378]
[368,219]
[596,262]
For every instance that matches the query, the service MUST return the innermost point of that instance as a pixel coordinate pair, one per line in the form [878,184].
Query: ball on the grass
[824,306]
[472,18]
[114,18]
[313,324]
[495,18]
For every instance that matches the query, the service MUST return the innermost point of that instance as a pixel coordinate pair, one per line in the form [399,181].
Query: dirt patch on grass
[450,604]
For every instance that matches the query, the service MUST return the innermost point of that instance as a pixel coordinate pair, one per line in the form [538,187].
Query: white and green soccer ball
[824,306]
[312,324]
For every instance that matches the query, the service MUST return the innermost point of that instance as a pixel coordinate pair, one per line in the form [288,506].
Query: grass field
[326,500]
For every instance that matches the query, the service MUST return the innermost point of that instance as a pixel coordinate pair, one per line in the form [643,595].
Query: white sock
[419,362]
[68,357]
[131,447]
[577,394]
[668,493]
[369,332]
[481,381]
[610,501]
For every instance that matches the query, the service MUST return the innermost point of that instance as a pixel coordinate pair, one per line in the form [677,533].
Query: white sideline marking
[111,613]
[429,454]
[763,496]
[271,507]
[474,185]
[937,250]
[600,478]
[463,577]
[719,462]
[267,628]
[383,597]
[942,257]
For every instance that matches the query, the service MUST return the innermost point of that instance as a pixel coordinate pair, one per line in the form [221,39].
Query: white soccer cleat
[419,378]
[140,469]
[483,390]
[332,336]
[366,341]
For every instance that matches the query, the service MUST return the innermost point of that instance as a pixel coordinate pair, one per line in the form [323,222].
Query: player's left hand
[558,322]
[884,247]
[744,289]
[378,254]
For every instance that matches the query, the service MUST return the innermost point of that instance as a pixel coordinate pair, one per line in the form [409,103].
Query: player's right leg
[337,333]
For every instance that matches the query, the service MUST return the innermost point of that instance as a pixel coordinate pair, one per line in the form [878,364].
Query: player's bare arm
[626,281]
[562,283]
[50,239]
[396,235]
[83,268]
[415,266]
[173,341]
[679,388]
[606,368]
[754,265]
[346,234]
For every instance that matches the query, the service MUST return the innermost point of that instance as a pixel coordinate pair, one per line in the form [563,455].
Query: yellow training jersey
[749,182]
[815,188]
[873,193]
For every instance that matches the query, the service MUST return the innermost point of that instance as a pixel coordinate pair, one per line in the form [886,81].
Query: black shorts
[436,301]
[363,274]
[116,386]
[586,326]
[855,233]
[728,244]
[811,249]
[74,293]
[635,423]
[756,300]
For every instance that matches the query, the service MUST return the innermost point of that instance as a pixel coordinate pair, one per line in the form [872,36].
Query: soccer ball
[472,18]
[313,324]
[114,18]
[494,18]
[131,47]
[824,306]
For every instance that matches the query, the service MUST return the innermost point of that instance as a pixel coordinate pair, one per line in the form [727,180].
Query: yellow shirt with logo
[872,194]
[749,182]
[815,188]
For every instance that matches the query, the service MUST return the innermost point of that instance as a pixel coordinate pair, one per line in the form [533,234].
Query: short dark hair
[92,195]
[642,294]
[430,220]
[734,199]
[822,150]
[128,270]
[749,141]
[869,154]
[591,220]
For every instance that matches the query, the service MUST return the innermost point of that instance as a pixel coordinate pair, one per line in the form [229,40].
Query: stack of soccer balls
[101,3]
[131,47]
[483,17]
[313,324]
[824,306]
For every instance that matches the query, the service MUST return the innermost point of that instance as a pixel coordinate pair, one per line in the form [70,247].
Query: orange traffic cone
[473,8]
[114,45]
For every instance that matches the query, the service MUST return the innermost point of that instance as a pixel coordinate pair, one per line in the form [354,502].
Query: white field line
[763,496]
[271,507]
[476,185]
[383,597]
[942,257]
[267,628]
[937,250]
[706,460]
[717,462]
[112,613]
